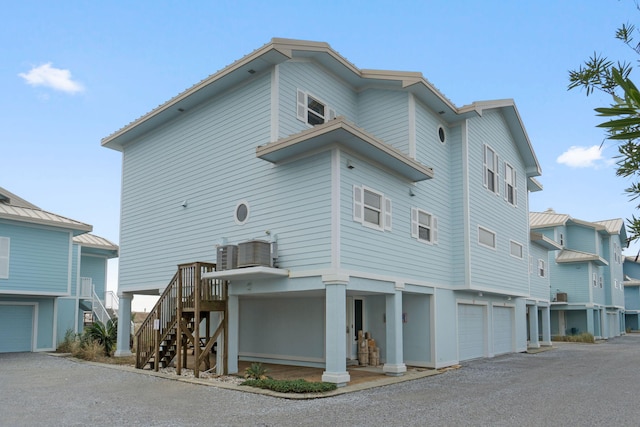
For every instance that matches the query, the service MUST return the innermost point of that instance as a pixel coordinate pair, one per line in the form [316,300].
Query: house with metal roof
[52,272]
[631,269]
[326,201]
[585,272]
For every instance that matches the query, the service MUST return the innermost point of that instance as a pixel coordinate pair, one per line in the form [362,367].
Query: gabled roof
[569,256]
[279,50]
[39,216]
[9,198]
[543,241]
[550,218]
[346,134]
[92,241]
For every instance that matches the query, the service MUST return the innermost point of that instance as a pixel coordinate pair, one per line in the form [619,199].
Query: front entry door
[355,323]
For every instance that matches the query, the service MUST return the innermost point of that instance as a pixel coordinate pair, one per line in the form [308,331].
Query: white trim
[70,263]
[275,96]
[512,242]
[7,257]
[543,269]
[465,202]
[514,184]
[415,226]
[444,132]
[335,208]
[34,319]
[33,293]
[412,126]
[496,170]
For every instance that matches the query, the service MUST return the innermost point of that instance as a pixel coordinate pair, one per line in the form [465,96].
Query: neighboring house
[394,211]
[586,275]
[51,271]
[631,268]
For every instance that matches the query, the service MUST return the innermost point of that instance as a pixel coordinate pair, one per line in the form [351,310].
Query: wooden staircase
[172,328]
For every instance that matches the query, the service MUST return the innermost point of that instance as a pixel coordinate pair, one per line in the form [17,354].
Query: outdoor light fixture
[350,165]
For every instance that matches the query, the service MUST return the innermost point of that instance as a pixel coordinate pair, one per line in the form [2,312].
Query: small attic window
[313,111]
[442,136]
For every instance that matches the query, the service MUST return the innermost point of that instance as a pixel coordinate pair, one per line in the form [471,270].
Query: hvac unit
[226,257]
[254,253]
[561,297]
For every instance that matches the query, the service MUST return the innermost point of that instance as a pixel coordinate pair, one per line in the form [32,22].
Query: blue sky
[72,73]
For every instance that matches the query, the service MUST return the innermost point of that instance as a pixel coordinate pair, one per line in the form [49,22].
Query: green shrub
[585,337]
[291,386]
[256,372]
[106,335]
[67,345]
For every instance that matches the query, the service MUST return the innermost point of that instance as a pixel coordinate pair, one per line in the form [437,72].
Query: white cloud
[581,157]
[54,78]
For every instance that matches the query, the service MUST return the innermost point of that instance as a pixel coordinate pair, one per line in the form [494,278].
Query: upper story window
[313,111]
[510,188]
[4,257]
[424,226]
[491,170]
[486,238]
[242,213]
[371,208]
[601,281]
[516,249]
[530,264]
[594,277]
[541,268]
[561,239]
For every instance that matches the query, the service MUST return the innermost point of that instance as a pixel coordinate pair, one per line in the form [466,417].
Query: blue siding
[493,212]
[39,259]
[581,239]
[540,286]
[384,113]
[95,267]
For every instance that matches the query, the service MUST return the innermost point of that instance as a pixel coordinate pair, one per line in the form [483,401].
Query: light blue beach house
[333,199]
[586,274]
[53,275]
[631,268]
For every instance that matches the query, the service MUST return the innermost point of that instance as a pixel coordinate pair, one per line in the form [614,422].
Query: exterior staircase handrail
[98,307]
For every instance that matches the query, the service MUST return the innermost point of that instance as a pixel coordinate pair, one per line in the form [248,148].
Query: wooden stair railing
[174,321]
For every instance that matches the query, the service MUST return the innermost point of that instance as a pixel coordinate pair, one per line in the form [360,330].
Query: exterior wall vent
[561,297]
[227,257]
[254,253]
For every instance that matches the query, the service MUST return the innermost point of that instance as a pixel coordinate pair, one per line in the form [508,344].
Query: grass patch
[291,386]
[584,337]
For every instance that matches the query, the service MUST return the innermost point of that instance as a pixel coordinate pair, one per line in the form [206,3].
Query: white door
[503,329]
[16,328]
[471,331]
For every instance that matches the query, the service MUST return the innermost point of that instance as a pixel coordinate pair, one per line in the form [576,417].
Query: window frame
[511,245]
[303,109]
[495,240]
[416,225]
[542,271]
[513,185]
[359,208]
[235,212]
[5,256]
[495,171]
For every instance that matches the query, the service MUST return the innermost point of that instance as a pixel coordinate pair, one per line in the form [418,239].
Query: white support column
[394,364]
[534,342]
[546,326]
[335,330]
[124,326]
[233,311]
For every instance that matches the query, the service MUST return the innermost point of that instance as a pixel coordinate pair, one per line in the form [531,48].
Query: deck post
[124,327]
[335,327]
[197,296]
[179,342]
[394,364]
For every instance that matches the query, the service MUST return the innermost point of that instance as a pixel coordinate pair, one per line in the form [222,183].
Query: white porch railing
[99,310]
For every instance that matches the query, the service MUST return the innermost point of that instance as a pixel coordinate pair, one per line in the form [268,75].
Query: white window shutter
[414,223]
[515,189]
[4,257]
[302,106]
[387,214]
[358,205]
[497,176]
[484,167]
[434,229]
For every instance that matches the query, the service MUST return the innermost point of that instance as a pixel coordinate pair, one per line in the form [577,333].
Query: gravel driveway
[573,384]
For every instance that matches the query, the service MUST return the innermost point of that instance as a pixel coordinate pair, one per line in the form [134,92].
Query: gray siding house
[390,210]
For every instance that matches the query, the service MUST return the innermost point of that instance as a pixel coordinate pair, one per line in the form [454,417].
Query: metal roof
[542,240]
[92,241]
[39,216]
[550,218]
[9,198]
[346,134]
[568,256]
[279,50]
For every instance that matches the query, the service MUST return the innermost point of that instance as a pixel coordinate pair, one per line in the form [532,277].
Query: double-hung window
[594,279]
[515,249]
[424,226]
[510,188]
[541,268]
[4,257]
[313,111]
[371,208]
[491,170]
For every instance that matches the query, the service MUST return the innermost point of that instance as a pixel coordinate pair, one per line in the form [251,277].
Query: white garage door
[16,328]
[613,325]
[471,331]
[502,330]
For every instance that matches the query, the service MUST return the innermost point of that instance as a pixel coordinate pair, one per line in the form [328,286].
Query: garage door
[471,331]
[16,328]
[502,330]
[613,325]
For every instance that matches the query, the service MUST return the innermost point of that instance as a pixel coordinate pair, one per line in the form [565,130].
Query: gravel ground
[574,384]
